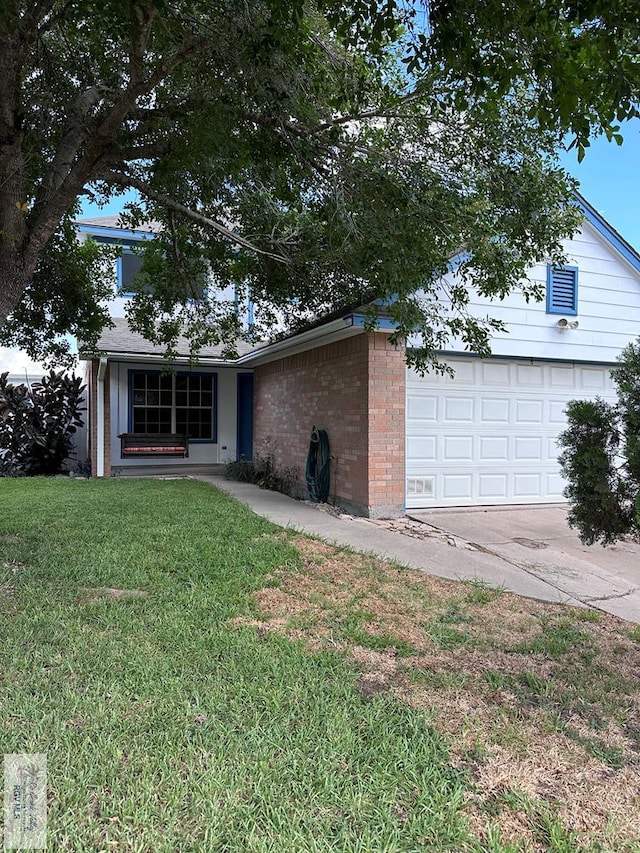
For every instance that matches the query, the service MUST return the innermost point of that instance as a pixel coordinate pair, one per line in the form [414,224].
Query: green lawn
[167,730]
[201,680]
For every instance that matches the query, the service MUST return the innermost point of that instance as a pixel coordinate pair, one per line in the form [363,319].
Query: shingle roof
[120,339]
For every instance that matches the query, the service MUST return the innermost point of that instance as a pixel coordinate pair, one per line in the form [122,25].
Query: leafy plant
[37,423]
[264,471]
[601,458]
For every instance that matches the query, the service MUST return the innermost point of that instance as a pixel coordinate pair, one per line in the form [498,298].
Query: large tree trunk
[13,204]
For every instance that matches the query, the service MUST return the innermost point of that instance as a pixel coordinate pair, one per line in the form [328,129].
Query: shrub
[264,471]
[37,424]
[601,458]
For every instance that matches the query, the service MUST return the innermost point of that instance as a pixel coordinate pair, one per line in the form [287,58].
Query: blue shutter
[562,290]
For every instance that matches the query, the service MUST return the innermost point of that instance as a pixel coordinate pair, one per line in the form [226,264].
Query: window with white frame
[182,403]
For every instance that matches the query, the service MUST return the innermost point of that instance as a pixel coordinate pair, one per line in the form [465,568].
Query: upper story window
[129,264]
[562,290]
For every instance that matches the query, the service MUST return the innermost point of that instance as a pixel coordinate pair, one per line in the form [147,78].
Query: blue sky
[609,179]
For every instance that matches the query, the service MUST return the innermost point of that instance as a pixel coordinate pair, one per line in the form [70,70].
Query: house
[487,436]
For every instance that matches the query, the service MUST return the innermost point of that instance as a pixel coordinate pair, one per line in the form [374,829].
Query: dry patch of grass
[541,702]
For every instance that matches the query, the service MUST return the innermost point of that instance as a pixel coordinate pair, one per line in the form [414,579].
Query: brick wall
[93,411]
[354,389]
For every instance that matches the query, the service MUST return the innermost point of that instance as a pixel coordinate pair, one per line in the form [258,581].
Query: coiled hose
[318,466]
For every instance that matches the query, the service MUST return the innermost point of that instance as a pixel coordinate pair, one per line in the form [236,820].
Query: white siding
[608,309]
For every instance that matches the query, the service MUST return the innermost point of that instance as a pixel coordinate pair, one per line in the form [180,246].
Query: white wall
[206,454]
[608,309]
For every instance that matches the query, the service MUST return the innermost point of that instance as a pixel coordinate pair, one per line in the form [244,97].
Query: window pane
[153,398]
[138,398]
[153,380]
[165,398]
[139,380]
[194,398]
[129,265]
[181,398]
[181,382]
[139,421]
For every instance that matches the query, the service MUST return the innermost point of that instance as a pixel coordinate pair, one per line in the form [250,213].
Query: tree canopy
[314,154]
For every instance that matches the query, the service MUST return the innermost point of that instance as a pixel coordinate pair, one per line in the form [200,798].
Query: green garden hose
[318,466]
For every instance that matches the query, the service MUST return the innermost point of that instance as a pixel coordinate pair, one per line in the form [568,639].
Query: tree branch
[128,181]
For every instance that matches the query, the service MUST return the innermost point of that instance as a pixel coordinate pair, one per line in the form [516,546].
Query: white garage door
[488,436]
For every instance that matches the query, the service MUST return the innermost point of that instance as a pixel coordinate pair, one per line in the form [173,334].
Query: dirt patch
[544,730]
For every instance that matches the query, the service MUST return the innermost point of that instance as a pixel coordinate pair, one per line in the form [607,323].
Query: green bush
[37,424]
[264,471]
[601,458]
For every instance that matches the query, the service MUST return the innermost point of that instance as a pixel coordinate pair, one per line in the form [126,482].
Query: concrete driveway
[538,541]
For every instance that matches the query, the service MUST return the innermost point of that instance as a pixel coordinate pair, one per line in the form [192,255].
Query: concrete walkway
[443,555]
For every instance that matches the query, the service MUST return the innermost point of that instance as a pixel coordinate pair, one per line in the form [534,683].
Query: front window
[183,403]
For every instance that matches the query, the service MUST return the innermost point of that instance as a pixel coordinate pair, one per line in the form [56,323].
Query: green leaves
[601,458]
[37,423]
[309,155]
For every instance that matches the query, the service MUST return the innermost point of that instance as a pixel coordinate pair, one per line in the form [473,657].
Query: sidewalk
[433,555]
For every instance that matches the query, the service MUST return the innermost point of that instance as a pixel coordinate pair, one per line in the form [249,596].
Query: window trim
[214,406]
[554,309]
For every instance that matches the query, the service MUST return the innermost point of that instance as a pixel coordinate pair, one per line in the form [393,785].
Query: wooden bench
[149,444]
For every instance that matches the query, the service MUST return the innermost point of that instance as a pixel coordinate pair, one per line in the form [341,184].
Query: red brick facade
[355,390]
[93,411]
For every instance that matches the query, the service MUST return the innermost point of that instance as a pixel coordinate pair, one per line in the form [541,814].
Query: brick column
[386,439]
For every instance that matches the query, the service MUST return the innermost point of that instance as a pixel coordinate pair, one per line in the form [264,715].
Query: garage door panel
[528,448]
[458,448]
[490,435]
[495,373]
[557,411]
[562,377]
[592,380]
[421,448]
[494,411]
[458,409]
[530,375]
[422,408]
[494,448]
[493,486]
[527,485]
[529,412]
[457,486]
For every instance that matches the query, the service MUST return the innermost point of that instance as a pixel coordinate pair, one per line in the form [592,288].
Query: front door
[245,416]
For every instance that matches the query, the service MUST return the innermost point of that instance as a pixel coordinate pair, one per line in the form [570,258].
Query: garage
[488,435]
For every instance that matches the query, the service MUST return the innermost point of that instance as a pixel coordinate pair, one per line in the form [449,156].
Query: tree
[37,424]
[601,458]
[316,154]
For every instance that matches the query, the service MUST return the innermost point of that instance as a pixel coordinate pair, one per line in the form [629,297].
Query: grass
[167,730]
[202,680]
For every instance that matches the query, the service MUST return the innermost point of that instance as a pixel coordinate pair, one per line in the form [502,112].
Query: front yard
[201,680]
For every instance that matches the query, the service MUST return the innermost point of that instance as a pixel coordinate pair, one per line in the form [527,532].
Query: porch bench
[149,444]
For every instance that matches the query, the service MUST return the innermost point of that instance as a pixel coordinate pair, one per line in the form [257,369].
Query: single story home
[486,436]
